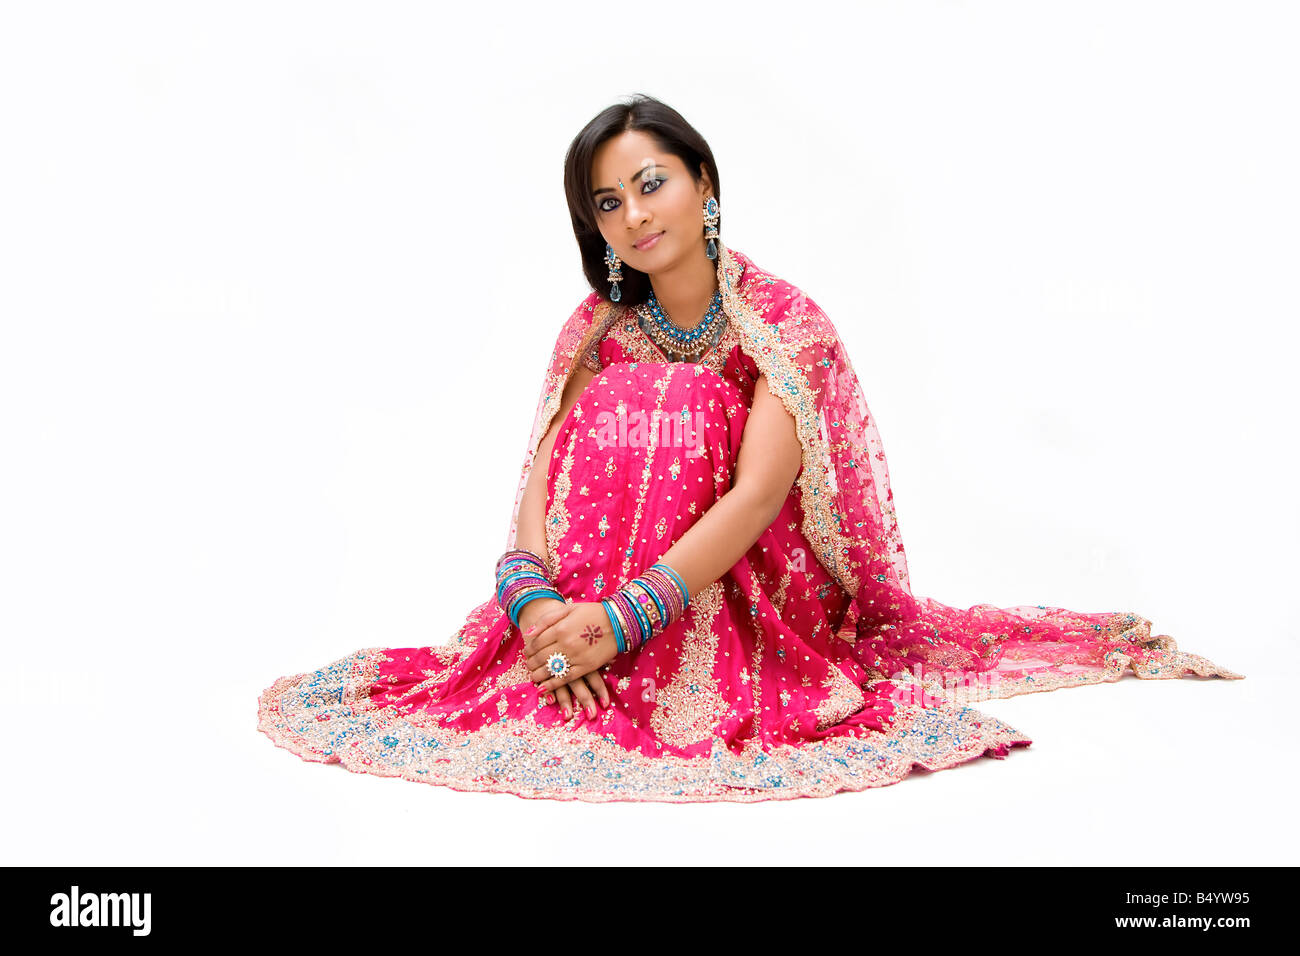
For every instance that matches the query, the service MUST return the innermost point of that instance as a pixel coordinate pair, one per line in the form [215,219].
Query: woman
[704,594]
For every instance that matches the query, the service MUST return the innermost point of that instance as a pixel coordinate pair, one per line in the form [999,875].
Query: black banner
[556,903]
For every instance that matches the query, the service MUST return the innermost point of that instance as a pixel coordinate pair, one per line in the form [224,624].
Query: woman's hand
[531,612]
[582,633]
[583,691]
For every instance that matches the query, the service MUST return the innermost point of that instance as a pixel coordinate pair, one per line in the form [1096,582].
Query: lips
[648,241]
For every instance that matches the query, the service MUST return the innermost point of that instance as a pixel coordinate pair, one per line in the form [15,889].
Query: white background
[278,283]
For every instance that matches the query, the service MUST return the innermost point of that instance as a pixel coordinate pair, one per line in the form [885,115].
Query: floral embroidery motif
[557,515]
[690,706]
[327,717]
[809,668]
[843,699]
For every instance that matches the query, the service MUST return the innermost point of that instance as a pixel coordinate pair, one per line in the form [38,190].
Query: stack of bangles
[639,610]
[645,606]
[521,577]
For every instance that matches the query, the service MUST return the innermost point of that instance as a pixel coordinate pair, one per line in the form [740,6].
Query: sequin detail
[326,717]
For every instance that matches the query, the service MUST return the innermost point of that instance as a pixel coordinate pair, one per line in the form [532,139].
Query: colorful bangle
[522,577]
[620,641]
[644,608]
[523,553]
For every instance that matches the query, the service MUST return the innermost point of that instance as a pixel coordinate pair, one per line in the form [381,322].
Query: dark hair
[673,135]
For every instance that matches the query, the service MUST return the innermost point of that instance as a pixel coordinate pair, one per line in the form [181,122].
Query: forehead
[623,155]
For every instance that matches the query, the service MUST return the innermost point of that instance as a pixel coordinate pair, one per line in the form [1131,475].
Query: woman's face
[658,196]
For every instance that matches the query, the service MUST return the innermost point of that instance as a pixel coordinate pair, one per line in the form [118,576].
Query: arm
[531,533]
[769,461]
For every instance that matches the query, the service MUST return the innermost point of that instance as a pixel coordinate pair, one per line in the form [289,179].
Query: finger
[565,702]
[599,694]
[575,671]
[533,634]
[539,665]
[583,693]
[540,662]
[542,672]
[552,614]
[538,633]
[598,687]
[544,697]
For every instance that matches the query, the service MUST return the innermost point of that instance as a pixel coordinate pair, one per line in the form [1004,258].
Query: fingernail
[567,713]
[550,699]
[530,630]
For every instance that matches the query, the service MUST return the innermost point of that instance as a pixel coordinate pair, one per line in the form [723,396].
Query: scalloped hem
[1155,658]
[528,760]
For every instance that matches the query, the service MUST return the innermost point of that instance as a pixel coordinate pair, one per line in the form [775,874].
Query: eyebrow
[607,189]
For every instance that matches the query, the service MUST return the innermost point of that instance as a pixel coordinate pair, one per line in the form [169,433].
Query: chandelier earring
[615,273]
[711,227]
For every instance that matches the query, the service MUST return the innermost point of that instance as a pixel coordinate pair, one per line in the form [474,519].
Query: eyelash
[657,180]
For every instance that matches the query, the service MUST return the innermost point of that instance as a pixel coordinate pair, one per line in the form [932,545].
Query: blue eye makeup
[655,181]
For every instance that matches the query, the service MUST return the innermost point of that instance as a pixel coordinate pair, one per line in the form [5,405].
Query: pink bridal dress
[807,669]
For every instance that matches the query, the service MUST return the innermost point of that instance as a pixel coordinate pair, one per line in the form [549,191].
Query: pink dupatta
[942,654]
[748,697]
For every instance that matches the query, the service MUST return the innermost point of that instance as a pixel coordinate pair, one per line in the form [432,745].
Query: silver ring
[557,664]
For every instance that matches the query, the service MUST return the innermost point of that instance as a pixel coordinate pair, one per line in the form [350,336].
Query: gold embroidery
[779,596]
[517,673]
[690,707]
[777,358]
[572,762]
[844,698]
[596,318]
[627,334]
[557,516]
[660,386]
[788,380]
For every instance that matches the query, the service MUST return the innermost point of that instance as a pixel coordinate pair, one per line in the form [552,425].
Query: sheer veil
[848,507]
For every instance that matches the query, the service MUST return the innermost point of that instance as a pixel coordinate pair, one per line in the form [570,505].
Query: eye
[656,182]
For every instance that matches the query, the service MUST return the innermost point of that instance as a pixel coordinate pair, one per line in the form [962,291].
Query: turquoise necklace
[678,344]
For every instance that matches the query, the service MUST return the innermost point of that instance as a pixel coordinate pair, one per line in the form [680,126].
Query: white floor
[279,288]
[161,764]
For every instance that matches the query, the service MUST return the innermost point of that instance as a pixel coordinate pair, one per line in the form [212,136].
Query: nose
[633,214]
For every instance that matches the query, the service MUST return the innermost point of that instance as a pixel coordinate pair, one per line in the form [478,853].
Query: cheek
[686,205]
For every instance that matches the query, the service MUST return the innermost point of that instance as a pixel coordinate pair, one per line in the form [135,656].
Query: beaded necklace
[678,344]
